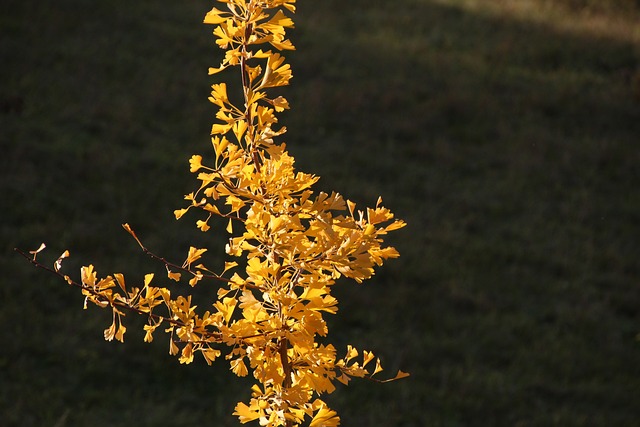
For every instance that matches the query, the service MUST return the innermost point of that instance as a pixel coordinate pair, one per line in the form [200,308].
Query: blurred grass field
[506,133]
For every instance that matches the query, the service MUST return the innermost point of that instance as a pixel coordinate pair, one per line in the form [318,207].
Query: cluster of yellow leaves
[295,244]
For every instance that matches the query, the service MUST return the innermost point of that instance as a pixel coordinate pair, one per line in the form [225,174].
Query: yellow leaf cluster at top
[295,243]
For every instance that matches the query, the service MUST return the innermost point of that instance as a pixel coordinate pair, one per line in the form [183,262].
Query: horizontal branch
[113,303]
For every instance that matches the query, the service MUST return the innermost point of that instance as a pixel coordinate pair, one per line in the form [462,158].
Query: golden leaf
[193,255]
[149,329]
[195,162]
[186,356]
[120,334]
[148,278]
[40,249]
[325,417]
[173,275]
[401,375]
[173,348]
[203,225]
[110,332]
[378,367]
[179,212]
[214,16]
[130,231]
[239,368]
[58,264]
[210,355]
[246,413]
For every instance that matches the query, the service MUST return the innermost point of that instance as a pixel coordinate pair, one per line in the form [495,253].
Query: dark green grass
[510,148]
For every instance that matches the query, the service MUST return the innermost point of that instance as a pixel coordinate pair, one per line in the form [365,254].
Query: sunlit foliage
[293,243]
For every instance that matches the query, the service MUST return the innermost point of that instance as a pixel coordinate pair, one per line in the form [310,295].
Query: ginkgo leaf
[119,335]
[173,348]
[351,353]
[214,16]
[378,367]
[186,356]
[130,231]
[280,104]
[179,213]
[195,279]
[148,278]
[239,128]
[325,417]
[195,162]
[210,355]
[120,280]
[40,249]
[203,225]
[368,357]
[401,375]
[226,307]
[193,255]
[149,330]
[239,368]
[229,265]
[110,332]
[245,413]
[58,264]
[173,275]
[294,241]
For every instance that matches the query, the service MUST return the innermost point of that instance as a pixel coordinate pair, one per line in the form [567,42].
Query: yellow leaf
[149,329]
[195,163]
[218,128]
[214,16]
[193,255]
[230,226]
[239,128]
[229,265]
[195,279]
[88,276]
[130,231]
[401,375]
[40,249]
[179,212]
[186,356]
[219,145]
[120,279]
[210,355]
[351,353]
[148,278]
[173,348]
[344,379]
[281,20]
[246,413]
[219,92]
[351,206]
[203,225]
[239,368]
[368,357]
[226,307]
[213,70]
[173,275]
[110,332]
[325,417]
[58,264]
[378,367]
[120,334]
[280,104]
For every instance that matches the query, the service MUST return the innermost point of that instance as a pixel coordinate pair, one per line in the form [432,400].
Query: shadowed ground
[505,133]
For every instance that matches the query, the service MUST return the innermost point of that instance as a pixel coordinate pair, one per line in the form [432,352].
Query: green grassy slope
[507,137]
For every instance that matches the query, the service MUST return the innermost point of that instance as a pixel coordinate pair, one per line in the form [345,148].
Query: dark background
[506,133]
